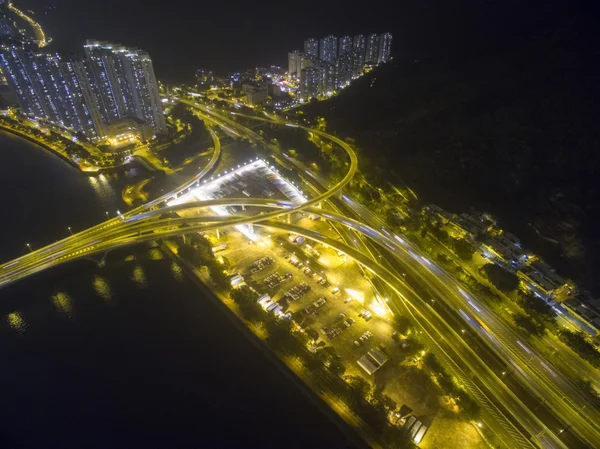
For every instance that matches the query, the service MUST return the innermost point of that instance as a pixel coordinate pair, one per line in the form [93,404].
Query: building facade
[293,61]
[328,48]
[47,87]
[89,95]
[311,48]
[309,86]
[372,49]
[345,45]
[297,62]
[340,61]
[385,48]
[124,79]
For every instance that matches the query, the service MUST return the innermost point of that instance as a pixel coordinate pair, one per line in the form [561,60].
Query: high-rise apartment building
[344,69]
[47,86]
[359,43]
[311,48]
[372,49]
[309,86]
[297,62]
[294,62]
[328,48]
[385,48]
[340,61]
[345,45]
[112,85]
[125,80]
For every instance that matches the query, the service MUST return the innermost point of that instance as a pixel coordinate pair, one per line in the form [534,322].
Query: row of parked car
[342,323]
[363,338]
[297,292]
[306,270]
[366,315]
[313,309]
[273,280]
[261,264]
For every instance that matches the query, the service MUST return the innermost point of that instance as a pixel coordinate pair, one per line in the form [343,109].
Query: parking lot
[325,294]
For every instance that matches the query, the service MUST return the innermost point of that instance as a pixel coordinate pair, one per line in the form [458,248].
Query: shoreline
[63,157]
[350,433]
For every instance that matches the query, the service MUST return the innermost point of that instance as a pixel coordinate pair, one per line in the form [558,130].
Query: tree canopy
[503,280]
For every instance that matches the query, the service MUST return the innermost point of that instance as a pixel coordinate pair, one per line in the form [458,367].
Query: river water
[131,355]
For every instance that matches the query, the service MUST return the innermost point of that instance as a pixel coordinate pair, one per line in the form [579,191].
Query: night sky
[183,35]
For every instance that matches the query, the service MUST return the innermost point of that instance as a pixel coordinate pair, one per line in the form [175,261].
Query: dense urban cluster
[330,63]
[110,93]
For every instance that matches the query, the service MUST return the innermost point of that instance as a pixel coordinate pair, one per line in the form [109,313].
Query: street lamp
[106,214]
[69,228]
[28,246]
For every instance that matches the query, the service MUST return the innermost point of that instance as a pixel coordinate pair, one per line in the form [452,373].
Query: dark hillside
[510,127]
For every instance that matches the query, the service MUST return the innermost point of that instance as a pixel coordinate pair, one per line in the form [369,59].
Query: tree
[430,361]
[402,324]
[412,346]
[313,334]
[538,308]
[246,299]
[242,295]
[252,311]
[281,338]
[445,262]
[396,437]
[446,383]
[337,367]
[463,249]
[359,388]
[587,387]
[529,325]
[440,234]
[217,275]
[469,408]
[188,253]
[392,218]
[384,400]
[503,280]
[578,342]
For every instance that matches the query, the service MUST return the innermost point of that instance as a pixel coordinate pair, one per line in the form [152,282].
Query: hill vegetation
[509,129]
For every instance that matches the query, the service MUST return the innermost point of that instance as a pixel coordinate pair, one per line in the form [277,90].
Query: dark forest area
[507,125]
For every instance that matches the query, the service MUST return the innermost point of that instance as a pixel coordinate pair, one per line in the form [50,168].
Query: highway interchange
[505,374]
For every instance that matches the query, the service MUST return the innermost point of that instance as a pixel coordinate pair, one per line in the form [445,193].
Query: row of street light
[28,245]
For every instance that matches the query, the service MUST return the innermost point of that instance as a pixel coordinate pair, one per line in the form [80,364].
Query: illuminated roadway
[144,223]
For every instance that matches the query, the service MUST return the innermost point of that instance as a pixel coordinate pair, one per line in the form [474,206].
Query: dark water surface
[132,355]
